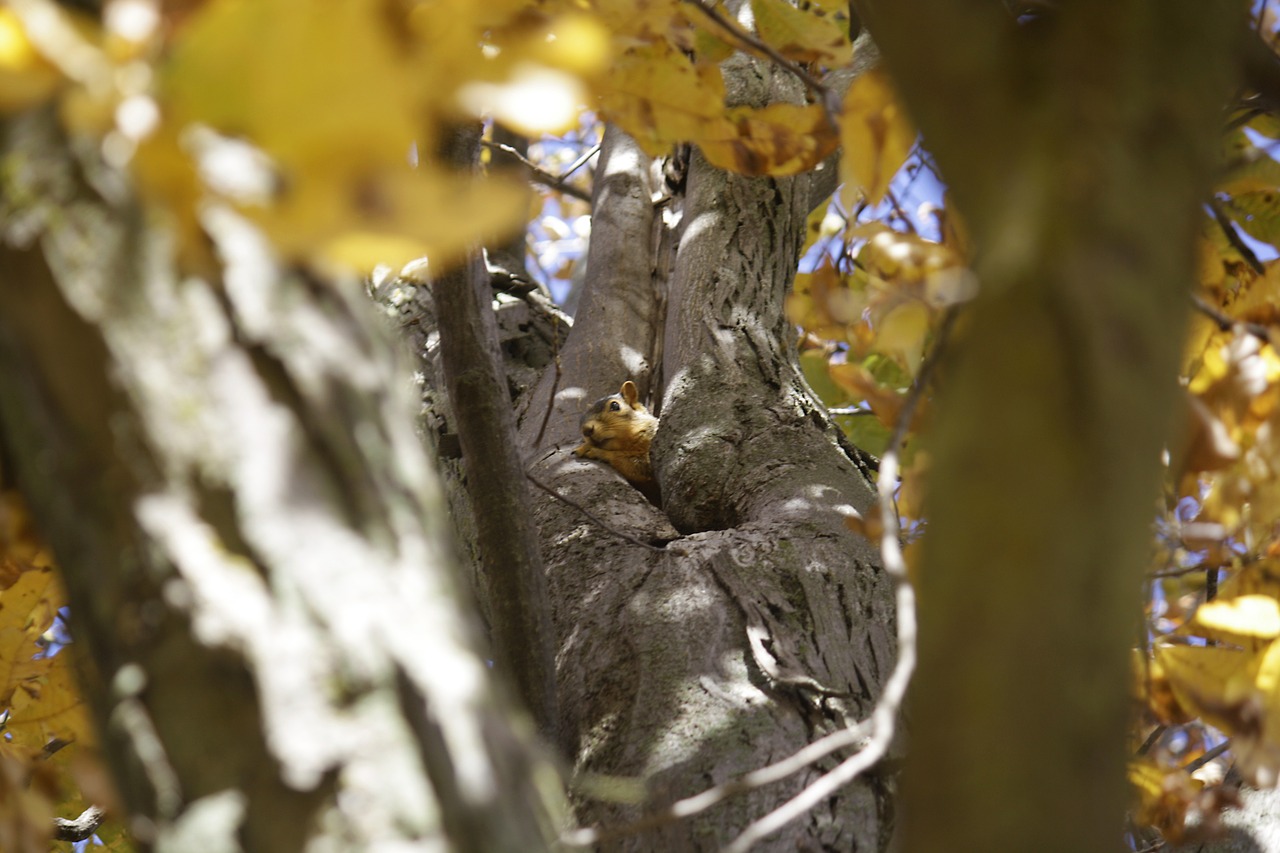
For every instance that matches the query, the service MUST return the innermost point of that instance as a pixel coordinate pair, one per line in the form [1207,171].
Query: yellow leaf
[780,139]
[902,334]
[644,19]
[659,97]
[50,706]
[352,214]
[711,47]
[805,35]
[875,134]
[1245,616]
[859,384]
[1164,796]
[26,612]
[1208,445]
[1214,682]
[41,693]
[574,42]
[26,77]
[305,87]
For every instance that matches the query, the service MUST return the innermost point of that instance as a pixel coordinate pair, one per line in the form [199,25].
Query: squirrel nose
[588,430]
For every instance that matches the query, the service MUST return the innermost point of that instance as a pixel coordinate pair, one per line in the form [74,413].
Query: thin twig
[1208,756]
[1247,114]
[884,716]
[1151,740]
[1226,323]
[1234,238]
[539,174]
[580,162]
[829,99]
[897,208]
[580,508]
[698,803]
[1176,573]
[555,382]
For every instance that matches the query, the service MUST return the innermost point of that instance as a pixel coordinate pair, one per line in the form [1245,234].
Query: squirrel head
[618,416]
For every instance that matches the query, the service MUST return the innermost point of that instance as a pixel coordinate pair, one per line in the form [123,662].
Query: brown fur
[618,429]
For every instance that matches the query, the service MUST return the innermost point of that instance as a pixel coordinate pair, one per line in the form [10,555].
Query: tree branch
[1234,238]
[883,721]
[698,803]
[509,551]
[829,99]
[1225,323]
[81,828]
[542,176]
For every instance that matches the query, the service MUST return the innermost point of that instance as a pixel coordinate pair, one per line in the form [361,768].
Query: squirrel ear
[629,392]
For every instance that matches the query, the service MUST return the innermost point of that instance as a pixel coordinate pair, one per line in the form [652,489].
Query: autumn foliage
[327,131]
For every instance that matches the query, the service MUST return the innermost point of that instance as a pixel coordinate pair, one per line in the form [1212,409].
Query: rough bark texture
[1081,169]
[764,621]
[250,535]
[515,582]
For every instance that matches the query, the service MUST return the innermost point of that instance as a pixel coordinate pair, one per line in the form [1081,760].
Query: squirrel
[618,429]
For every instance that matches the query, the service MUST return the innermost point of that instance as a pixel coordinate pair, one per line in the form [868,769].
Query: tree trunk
[762,622]
[1081,171]
[252,540]
[754,621]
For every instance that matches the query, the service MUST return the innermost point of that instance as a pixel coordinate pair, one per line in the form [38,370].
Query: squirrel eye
[614,407]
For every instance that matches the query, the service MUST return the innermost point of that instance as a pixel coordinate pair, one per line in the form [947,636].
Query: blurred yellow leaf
[26,77]
[1208,445]
[26,813]
[47,704]
[574,42]
[1257,213]
[1214,682]
[40,692]
[1248,167]
[823,303]
[902,334]
[859,384]
[27,609]
[805,35]
[1150,685]
[309,89]
[875,134]
[1245,616]
[780,139]
[915,483]
[638,20]
[1164,796]
[661,97]
[352,217]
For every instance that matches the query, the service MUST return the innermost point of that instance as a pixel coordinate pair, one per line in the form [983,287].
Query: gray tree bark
[761,622]
[254,545]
